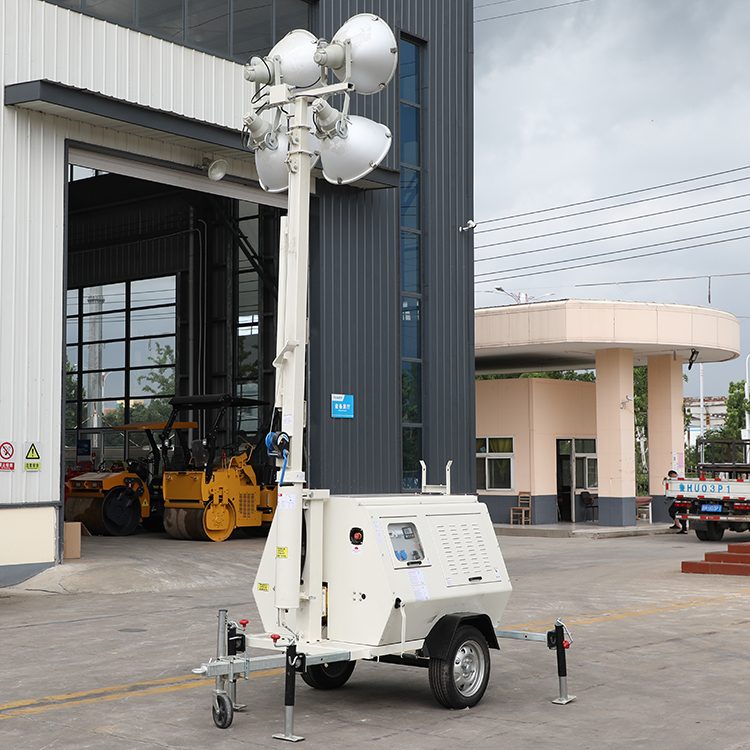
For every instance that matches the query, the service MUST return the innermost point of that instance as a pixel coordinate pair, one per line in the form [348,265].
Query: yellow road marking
[184,682]
[541,625]
[113,693]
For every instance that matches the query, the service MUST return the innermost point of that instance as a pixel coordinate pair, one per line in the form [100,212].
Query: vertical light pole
[363,56]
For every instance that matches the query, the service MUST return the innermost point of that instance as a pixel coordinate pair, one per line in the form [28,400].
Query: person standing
[682,525]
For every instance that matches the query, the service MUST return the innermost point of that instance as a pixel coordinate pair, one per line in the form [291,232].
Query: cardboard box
[72,540]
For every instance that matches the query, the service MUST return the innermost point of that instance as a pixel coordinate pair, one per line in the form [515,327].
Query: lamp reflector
[270,163]
[296,52]
[374,52]
[217,169]
[350,158]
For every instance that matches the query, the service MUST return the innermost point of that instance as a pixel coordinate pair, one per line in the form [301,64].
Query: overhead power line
[502,277]
[616,221]
[672,278]
[616,195]
[609,208]
[532,10]
[608,237]
[616,252]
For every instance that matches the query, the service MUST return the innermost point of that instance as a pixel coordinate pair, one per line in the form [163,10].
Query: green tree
[640,409]
[587,376]
[160,382]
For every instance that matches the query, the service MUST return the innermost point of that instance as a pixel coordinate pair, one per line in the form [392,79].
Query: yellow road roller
[115,502]
[210,491]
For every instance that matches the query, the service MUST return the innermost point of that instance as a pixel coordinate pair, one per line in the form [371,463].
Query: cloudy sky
[599,98]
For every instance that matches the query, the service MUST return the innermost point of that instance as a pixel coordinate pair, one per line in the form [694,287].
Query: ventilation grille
[464,552]
[246,506]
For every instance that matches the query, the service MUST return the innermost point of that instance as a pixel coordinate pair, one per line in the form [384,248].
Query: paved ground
[97,654]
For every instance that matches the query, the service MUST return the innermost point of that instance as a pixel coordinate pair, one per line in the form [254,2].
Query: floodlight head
[374,52]
[215,169]
[271,164]
[271,161]
[354,147]
[294,54]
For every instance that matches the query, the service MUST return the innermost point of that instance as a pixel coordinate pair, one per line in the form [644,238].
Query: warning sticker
[263,587]
[7,456]
[282,552]
[33,459]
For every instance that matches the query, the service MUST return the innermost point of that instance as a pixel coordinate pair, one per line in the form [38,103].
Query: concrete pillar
[666,444]
[615,447]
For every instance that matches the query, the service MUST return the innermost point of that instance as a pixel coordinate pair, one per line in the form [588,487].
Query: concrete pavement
[97,654]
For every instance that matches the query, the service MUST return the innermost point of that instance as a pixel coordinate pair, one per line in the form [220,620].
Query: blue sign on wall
[342,406]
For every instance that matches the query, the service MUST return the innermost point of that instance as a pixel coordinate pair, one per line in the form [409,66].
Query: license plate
[710,508]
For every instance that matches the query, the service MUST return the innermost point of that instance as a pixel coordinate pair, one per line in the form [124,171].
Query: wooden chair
[521,514]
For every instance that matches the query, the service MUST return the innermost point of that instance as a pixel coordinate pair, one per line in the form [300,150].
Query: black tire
[714,532]
[459,681]
[328,676]
[222,711]
[702,534]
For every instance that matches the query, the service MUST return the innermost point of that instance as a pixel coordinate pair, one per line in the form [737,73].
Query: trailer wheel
[459,680]
[222,710]
[714,532]
[328,676]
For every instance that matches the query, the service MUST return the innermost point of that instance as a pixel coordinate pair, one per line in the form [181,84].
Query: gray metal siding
[355,275]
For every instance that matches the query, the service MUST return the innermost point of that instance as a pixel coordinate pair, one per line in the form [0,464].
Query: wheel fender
[439,639]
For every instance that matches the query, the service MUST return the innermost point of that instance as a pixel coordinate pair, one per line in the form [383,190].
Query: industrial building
[128,276]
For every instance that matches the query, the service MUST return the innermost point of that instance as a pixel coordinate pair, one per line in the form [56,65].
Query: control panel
[407,548]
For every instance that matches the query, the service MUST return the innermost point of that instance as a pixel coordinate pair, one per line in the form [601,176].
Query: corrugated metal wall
[43,41]
[355,292]
[355,305]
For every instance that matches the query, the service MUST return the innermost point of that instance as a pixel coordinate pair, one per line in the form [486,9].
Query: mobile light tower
[413,579]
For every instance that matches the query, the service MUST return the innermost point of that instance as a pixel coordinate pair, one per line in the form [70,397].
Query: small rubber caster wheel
[222,710]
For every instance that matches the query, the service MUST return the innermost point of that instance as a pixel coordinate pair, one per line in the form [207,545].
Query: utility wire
[673,278]
[533,10]
[618,260]
[608,237]
[616,195]
[616,252]
[608,208]
[498,2]
[616,221]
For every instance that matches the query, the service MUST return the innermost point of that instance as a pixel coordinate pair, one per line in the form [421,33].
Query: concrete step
[734,562]
[717,568]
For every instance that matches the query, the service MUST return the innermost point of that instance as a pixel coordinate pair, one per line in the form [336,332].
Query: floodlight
[215,169]
[293,59]
[353,145]
[271,160]
[374,52]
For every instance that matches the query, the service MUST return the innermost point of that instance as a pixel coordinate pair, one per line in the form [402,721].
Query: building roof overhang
[52,98]
[566,334]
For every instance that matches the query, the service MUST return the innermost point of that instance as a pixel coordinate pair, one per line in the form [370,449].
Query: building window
[235,29]
[120,364]
[410,129]
[495,463]
[587,470]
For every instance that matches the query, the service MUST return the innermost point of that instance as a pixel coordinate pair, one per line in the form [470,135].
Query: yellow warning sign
[263,587]
[33,459]
[282,552]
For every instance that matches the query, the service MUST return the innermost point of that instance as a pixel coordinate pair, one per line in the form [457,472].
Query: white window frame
[510,456]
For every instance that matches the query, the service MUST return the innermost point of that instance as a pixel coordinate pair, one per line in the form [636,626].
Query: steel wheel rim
[469,668]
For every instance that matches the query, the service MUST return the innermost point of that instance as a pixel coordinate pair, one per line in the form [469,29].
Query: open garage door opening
[170,292]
